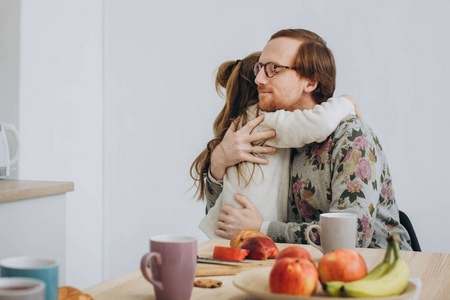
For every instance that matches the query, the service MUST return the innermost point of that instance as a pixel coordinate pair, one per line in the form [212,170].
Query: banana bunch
[384,280]
[333,288]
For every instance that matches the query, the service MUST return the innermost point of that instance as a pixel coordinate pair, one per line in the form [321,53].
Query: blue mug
[33,267]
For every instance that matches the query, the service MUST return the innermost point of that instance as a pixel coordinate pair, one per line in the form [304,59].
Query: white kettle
[5,160]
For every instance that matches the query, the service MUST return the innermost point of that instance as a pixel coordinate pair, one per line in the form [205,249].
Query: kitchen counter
[33,220]
[13,190]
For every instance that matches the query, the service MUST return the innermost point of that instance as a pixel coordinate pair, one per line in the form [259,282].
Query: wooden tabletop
[12,190]
[432,268]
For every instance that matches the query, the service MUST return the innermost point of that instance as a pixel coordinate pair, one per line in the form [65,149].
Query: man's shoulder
[349,125]
[354,134]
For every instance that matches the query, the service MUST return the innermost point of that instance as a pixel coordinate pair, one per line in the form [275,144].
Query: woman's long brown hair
[238,79]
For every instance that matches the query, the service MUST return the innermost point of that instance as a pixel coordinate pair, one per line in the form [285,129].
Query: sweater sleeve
[213,189]
[298,128]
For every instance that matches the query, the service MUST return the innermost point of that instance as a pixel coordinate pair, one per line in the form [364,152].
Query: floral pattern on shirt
[347,172]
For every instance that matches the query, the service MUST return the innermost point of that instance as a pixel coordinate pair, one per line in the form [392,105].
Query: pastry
[242,235]
[71,293]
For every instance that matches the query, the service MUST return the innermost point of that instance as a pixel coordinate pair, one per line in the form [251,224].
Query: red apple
[261,248]
[227,253]
[294,277]
[295,252]
[341,265]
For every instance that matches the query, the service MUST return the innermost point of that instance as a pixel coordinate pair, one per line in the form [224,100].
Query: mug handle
[15,134]
[144,268]
[308,230]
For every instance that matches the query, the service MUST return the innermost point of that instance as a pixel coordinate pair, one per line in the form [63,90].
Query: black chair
[404,220]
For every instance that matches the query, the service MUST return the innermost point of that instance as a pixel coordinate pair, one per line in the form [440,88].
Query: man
[348,172]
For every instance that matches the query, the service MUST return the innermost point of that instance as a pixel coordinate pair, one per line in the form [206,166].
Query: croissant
[242,235]
[71,293]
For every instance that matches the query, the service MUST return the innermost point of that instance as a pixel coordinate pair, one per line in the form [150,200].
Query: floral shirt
[348,172]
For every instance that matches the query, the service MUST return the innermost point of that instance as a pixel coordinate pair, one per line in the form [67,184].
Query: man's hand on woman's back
[232,220]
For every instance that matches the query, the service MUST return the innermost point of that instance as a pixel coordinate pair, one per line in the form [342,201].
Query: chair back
[404,220]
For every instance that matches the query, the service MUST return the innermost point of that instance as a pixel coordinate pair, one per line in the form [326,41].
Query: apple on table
[294,276]
[341,265]
[295,252]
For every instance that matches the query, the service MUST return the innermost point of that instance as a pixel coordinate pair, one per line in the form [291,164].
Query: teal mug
[33,267]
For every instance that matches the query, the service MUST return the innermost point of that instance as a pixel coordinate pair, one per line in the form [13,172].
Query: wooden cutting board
[206,249]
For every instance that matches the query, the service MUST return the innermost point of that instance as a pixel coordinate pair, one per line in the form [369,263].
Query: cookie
[208,283]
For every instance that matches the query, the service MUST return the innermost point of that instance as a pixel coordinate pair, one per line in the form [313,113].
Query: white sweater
[268,188]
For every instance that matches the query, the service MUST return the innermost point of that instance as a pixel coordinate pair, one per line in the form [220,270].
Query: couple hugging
[286,151]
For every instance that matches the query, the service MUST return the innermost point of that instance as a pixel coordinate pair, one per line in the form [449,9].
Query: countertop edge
[14,190]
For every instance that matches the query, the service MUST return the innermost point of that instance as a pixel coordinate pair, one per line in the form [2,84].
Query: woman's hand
[232,220]
[355,104]
[236,147]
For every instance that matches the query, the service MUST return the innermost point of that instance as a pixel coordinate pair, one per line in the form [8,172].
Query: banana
[392,283]
[382,268]
[333,288]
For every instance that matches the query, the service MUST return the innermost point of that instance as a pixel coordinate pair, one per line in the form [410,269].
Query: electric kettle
[5,161]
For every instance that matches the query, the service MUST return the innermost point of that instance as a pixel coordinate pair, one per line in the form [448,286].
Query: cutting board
[206,249]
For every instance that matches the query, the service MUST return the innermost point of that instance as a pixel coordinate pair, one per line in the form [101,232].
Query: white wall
[61,118]
[124,118]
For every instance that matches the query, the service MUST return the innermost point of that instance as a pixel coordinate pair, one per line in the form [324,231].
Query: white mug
[336,230]
[20,288]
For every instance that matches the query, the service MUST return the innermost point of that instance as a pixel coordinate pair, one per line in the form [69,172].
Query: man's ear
[311,86]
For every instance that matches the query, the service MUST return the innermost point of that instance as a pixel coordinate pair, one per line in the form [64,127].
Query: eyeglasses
[269,68]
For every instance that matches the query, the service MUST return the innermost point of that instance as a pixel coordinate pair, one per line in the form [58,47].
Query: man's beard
[273,104]
[268,102]
[267,105]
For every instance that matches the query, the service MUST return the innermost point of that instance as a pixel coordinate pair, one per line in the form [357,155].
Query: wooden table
[432,268]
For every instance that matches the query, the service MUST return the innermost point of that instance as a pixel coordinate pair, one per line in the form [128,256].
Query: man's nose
[261,78]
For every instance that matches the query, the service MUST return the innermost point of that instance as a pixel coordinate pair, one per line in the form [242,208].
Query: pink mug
[173,266]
